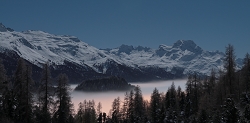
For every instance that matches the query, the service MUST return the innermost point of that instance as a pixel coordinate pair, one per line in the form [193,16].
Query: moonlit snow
[39,47]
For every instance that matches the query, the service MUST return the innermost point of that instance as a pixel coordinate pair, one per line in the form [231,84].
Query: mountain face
[5,29]
[80,61]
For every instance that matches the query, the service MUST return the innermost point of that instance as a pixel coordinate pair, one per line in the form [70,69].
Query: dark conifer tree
[28,95]
[182,104]
[131,116]
[79,114]
[3,78]
[190,89]
[19,90]
[124,110]
[99,108]
[178,92]
[167,100]
[45,95]
[173,96]
[115,118]
[64,110]
[99,119]
[230,113]
[211,83]
[193,95]
[139,109]
[116,115]
[104,117]
[92,112]
[9,102]
[3,91]
[220,90]
[203,117]
[246,73]
[155,107]
[86,113]
[229,65]
[22,92]
[246,113]
[174,109]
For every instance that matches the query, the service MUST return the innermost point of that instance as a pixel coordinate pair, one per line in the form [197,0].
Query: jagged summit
[129,48]
[187,45]
[2,28]
[5,29]
[141,48]
[125,48]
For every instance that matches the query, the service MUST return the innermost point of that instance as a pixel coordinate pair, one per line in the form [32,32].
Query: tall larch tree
[23,95]
[139,109]
[229,65]
[99,108]
[246,73]
[211,83]
[116,115]
[130,112]
[124,109]
[28,96]
[45,94]
[193,95]
[64,111]
[155,106]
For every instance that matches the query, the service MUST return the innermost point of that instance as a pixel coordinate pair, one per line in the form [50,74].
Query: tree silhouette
[155,106]
[22,92]
[64,110]
[45,94]
[229,65]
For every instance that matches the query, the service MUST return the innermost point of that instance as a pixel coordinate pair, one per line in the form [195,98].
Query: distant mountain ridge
[68,54]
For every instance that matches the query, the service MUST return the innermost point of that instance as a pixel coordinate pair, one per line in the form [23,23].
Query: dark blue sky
[212,24]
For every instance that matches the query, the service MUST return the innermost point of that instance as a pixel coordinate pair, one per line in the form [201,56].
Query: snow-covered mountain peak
[128,61]
[39,47]
[187,45]
[125,48]
[164,47]
[141,48]
[129,48]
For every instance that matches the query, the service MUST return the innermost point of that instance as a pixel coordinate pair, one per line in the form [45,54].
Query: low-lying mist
[106,98]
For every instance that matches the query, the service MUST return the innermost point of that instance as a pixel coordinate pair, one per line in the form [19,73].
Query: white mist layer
[106,98]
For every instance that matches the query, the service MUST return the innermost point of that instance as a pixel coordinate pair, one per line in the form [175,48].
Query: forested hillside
[105,84]
[222,97]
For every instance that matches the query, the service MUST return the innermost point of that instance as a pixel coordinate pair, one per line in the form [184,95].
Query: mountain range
[80,61]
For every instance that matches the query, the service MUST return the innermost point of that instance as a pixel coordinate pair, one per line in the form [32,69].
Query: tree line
[221,97]
[24,101]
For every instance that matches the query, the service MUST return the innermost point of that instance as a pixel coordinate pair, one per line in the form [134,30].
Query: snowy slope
[38,47]
[183,54]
